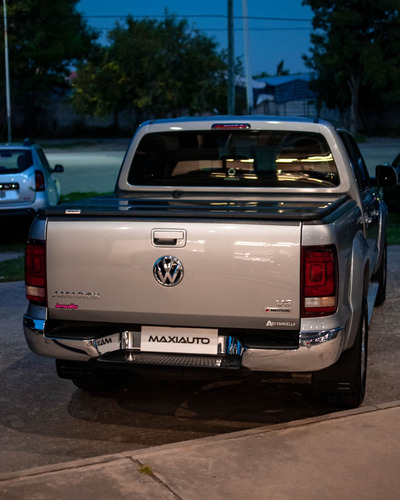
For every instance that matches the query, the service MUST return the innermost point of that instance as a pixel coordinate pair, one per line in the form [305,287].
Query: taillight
[35,272]
[319,281]
[230,126]
[39,181]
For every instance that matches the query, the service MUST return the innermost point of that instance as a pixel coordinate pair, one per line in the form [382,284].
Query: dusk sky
[277,29]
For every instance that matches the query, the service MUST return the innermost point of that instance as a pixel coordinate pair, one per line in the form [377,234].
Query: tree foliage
[280,69]
[356,54]
[153,67]
[43,42]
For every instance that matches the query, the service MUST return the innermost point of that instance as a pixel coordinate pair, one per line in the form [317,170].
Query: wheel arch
[358,286]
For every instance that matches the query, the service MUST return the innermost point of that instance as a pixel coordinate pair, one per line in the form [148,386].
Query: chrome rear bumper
[317,350]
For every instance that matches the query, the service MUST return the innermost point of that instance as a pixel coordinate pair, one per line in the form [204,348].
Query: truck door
[368,194]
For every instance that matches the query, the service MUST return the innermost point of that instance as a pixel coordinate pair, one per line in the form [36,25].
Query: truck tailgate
[232,274]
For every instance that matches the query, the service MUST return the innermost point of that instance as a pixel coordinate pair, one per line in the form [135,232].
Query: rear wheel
[96,383]
[84,376]
[343,384]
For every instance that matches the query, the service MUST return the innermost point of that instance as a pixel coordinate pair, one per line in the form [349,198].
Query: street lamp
[7,73]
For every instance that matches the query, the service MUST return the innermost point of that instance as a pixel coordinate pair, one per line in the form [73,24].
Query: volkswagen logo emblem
[168,271]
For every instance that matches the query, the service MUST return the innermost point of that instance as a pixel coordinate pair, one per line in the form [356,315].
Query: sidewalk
[348,455]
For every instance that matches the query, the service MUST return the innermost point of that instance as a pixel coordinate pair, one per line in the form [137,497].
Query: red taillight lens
[39,181]
[319,281]
[35,272]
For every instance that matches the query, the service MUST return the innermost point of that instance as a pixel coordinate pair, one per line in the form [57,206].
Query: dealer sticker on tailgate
[179,340]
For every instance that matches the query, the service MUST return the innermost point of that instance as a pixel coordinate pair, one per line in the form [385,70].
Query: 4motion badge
[168,271]
[281,306]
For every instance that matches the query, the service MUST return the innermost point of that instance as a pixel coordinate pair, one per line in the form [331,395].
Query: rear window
[15,161]
[233,158]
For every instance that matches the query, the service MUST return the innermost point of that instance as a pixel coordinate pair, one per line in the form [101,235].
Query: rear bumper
[17,212]
[27,209]
[317,350]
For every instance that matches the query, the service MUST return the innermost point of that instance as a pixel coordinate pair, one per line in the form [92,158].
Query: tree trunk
[116,119]
[354,85]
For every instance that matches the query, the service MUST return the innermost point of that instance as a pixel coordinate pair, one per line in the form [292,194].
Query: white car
[27,182]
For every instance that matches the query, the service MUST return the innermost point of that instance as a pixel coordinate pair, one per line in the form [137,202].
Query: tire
[97,383]
[381,277]
[86,377]
[343,384]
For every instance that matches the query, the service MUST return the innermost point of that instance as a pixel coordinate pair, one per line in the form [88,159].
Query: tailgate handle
[168,237]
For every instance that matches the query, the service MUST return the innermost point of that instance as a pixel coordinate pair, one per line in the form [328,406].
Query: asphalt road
[378,150]
[46,420]
[93,167]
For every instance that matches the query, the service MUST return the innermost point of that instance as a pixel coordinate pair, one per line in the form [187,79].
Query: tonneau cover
[269,208]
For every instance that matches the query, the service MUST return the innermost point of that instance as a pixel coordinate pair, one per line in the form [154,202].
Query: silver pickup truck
[230,244]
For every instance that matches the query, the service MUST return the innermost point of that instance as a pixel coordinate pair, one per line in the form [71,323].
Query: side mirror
[58,169]
[386,175]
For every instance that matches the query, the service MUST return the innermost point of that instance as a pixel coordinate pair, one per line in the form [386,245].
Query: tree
[153,67]
[98,87]
[280,71]
[356,54]
[43,42]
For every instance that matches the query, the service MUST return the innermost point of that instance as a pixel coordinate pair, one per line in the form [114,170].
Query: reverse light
[319,281]
[39,181]
[35,272]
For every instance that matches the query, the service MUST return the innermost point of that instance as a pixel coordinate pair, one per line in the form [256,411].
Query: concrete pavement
[347,455]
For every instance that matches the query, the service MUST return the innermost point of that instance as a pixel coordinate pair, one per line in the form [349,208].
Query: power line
[208,16]
[235,29]
[256,29]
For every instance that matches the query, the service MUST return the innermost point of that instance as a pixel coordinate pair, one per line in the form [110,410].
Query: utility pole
[231,61]
[7,73]
[247,64]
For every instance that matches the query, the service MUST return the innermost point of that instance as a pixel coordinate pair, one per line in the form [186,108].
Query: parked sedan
[27,182]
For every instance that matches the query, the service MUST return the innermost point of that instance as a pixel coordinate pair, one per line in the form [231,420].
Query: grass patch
[12,270]
[145,469]
[393,229]
[77,195]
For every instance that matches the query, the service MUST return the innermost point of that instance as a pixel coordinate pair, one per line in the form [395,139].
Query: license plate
[179,340]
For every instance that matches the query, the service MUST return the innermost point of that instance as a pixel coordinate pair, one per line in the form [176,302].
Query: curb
[168,448]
